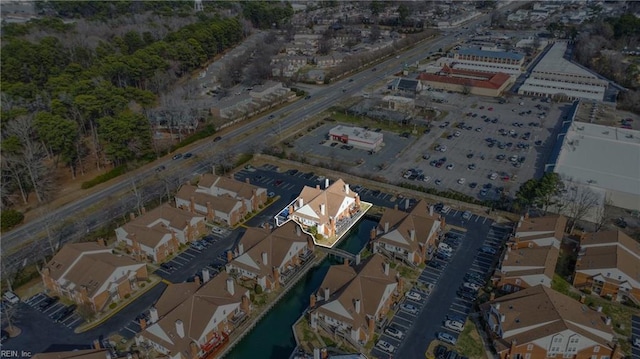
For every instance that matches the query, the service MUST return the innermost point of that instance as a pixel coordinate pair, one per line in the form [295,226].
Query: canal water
[273,338]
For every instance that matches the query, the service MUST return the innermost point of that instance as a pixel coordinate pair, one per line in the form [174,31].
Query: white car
[394,332]
[11,297]
[426,179]
[443,149]
[457,133]
[413,295]
[409,308]
[385,346]
[454,325]
[472,286]
[447,338]
[450,166]
[493,176]
[217,230]
[466,215]
[636,342]
[461,180]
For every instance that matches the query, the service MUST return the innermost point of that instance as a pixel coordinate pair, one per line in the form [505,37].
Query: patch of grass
[620,314]
[559,284]
[469,342]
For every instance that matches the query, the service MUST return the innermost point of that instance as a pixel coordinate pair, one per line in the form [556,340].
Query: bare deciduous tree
[578,200]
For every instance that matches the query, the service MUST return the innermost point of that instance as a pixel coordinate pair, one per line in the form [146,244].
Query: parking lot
[315,145]
[450,300]
[484,150]
[54,311]
[635,337]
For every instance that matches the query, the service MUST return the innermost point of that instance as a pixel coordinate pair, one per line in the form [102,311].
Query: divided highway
[20,245]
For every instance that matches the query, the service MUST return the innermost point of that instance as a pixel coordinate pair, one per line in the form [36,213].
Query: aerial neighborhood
[320,179]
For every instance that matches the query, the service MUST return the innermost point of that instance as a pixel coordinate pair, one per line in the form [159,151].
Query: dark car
[278,182]
[188,155]
[166,266]
[47,302]
[292,172]
[466,295]
[64,313]
[307,97]
[217,139]
[440,352]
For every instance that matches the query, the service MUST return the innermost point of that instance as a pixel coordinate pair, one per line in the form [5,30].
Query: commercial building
[609,265]
[357,137]
[351,302]
[467,81]
[408,235]
[90,274]
[539,322]
[603,159]
[157,234]
[555,76]
[488,61]
[268,257]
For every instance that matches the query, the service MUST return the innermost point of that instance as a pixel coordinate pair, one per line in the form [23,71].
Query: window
[527,356]
[530,347]
[596,349]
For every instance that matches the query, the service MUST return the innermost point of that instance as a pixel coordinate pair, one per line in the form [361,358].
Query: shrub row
[115,172]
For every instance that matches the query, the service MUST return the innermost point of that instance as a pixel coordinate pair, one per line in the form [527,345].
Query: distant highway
[235,141]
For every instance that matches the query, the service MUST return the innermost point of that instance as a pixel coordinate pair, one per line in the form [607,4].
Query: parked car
[447,338]
[167,266]
[435,264]
[472,286]
[177,156]
[218,138]
[394,332]
[47,302]
[385,346]
[11,297]
[466,215]
[197,246]
[217,230]
[409,308]
[488,250]
[414,295]
[271,194]
[466,295]
[188,155]
[454,325]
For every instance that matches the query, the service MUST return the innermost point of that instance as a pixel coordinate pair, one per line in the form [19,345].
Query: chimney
[265,260]
[514,343]
[298,231]
[492,296]
[357,305]
[240,249]
[132,216]
[107,355]
[358,259]
[230,287]
[386,268]
[520,221]
[324,354]
[153,315]
[412,234]
[247,180]
[316,353]
[372,233]
[96,344]
[143,210]
[180,328]
[245,304]
[607,320]
[300,202]
[312,300]
[326,183]
[346,188]
[345,261]
[102,242]
[205,275]
[192,204]
[229,256]
[430,210]
[506,256]
[599,309]
[386,227]
[583,298]
[407,203]
[322,209]
[497,305]
[526,215]
[502,318]
[395,206]
[327,292]
[143,324]
[197,280]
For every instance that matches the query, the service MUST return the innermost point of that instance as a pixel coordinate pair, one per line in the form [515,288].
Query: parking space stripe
[188,254]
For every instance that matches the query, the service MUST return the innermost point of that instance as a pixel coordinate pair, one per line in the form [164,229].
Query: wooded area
[77,93]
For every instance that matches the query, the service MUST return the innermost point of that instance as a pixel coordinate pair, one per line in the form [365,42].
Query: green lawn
[469,342]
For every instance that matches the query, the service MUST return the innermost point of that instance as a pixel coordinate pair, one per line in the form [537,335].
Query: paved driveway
[444,301]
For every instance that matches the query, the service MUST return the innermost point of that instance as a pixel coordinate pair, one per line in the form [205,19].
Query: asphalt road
[236,141]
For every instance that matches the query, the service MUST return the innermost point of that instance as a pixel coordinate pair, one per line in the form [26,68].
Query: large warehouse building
[473,82]
[488,61]
[604,159]
[556,76]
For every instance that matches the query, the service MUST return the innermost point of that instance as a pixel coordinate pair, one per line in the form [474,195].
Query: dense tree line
[264,15]
[599,45]
[63,101]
